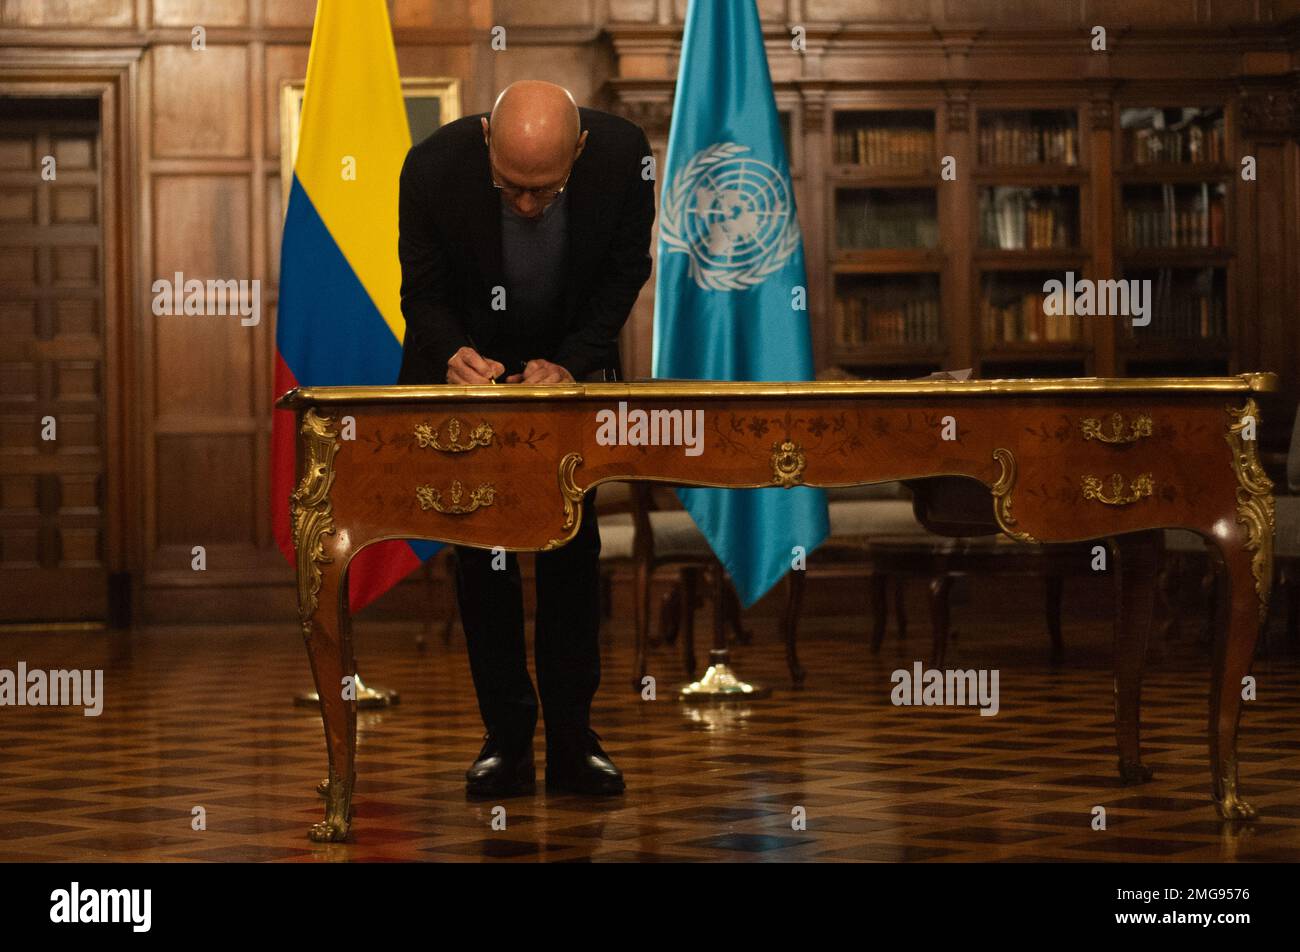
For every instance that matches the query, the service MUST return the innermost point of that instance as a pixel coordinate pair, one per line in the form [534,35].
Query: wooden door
[52,380]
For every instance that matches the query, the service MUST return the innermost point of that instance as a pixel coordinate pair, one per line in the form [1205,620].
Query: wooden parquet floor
[201,717]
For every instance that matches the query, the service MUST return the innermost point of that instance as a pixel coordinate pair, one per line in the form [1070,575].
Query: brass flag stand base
[721,684]
[368,698]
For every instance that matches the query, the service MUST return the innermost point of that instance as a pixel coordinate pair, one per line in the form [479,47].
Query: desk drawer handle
[1141,487]
[1140,427]
[431,498]
[788,463]
[426,436]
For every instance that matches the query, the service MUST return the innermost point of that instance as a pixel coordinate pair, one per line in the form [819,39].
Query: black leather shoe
[575,763]
[499,772]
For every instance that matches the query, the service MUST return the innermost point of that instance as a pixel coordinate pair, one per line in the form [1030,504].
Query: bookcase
[1174,189]
[949,159]
[887,312]
[926,270]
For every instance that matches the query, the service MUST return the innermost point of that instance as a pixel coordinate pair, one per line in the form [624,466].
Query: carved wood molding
[1101,114]
[958,114]
[1271,112]
[1101,104]
[814,115]
[653,115]
[957,97]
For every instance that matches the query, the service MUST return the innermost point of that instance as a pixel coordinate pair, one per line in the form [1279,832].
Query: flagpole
[730,294]
[368,698]
[720,681]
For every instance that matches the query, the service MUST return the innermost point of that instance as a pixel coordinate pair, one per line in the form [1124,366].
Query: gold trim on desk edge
[1001,490]
[1255,507]
[687,390]
[1141,426]
[311,512]
[1140,488]
[426,436]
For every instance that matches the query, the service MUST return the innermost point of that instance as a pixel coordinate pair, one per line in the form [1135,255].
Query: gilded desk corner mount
[1255,508]
[1001,490]
[310,509]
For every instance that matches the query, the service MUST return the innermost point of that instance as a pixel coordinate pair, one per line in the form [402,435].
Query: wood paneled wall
[202,136]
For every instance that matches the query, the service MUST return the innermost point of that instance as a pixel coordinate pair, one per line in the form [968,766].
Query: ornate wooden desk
[1064,460]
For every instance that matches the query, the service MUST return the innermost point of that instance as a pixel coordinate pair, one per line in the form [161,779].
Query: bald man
[524,242]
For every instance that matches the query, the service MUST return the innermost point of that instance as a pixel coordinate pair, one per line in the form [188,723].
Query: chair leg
[689,578]
[954,634]
[1211,584]
[742,634]
[1055,587]
[1292,604]
[670,617]
[1170,613]
[641,622]
[720,583]
[940,587]
[900,608]
[1135,559]
[794,585]
[606,594]
[879,611]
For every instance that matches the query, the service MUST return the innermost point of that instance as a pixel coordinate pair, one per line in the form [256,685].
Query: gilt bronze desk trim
[1029,442]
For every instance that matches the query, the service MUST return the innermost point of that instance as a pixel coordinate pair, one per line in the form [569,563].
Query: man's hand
[541,371]
[467,367]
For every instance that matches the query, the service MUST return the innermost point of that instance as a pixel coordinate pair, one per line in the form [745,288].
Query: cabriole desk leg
[1234,650]
[329,648]
[322,608]
[1246,547]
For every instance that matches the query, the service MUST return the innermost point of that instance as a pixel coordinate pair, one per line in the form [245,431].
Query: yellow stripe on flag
[353,116]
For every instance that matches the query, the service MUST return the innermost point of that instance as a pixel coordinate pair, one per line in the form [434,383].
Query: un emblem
[732,215]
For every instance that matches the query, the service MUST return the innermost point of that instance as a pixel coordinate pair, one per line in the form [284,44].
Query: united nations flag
[730,291]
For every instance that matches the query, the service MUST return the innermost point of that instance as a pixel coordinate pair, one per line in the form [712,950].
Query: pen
[476,350]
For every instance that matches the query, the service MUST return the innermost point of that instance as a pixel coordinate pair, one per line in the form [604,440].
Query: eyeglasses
[541,194]
[514,192]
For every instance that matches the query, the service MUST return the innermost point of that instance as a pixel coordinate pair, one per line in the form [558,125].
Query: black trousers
[566,641]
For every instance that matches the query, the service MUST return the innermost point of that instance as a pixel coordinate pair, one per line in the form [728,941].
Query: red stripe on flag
[376,568]
[282,462]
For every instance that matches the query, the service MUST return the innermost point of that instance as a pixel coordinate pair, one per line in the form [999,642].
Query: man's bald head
[535,133]
[531,116]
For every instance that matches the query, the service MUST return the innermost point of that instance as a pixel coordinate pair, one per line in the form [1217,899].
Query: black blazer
[450,249]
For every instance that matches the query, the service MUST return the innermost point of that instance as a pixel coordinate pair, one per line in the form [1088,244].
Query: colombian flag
[339,320]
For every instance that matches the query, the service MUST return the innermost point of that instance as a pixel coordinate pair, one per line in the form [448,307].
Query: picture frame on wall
[431,102]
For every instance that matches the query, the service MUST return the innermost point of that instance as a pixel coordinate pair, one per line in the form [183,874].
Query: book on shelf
[1019,142]
[1013,220]
[884,147]
[1184,312]
[885,318]
[1023,319]
[1174,222]
[1193,144]
[862,223]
